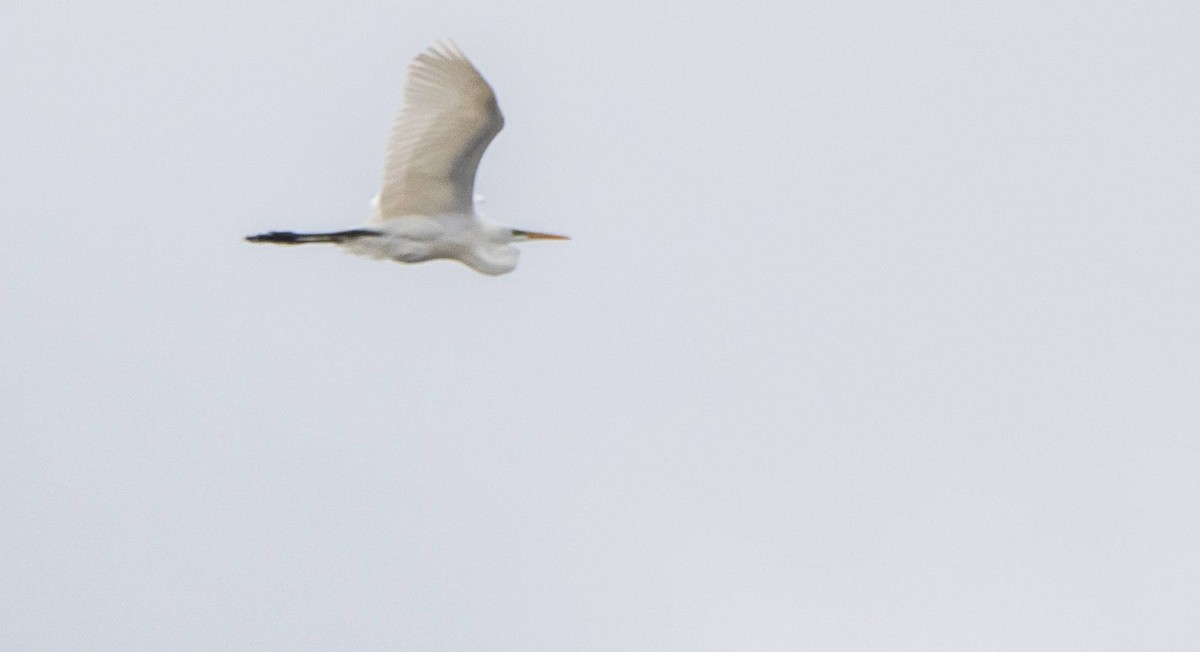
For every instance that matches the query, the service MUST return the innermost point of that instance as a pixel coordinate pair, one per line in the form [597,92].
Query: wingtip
[445,48]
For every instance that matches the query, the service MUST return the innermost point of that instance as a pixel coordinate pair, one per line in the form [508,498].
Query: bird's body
[426,208]
[455,236]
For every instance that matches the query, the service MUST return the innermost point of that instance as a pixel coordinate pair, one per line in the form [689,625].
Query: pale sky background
[879,331]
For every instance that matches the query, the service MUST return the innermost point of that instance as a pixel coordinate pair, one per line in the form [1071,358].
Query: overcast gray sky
[878,331]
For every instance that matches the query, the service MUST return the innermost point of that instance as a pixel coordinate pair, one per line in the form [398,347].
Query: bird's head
[497,255]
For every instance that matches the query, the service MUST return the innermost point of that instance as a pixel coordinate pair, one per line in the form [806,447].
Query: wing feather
[449,117]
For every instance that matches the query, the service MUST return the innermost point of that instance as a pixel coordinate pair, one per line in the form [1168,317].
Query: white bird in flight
[426,208]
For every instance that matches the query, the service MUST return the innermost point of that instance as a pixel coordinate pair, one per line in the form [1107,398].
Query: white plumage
[449,117]
[426,207]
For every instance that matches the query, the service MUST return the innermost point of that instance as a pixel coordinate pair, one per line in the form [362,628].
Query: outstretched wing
[449,117]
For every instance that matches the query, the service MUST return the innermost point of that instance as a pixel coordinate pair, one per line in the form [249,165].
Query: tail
[287,237]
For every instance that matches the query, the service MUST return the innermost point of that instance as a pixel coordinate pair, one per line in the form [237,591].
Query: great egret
[426,208]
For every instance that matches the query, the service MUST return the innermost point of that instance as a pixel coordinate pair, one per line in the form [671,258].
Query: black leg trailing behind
[287,237]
